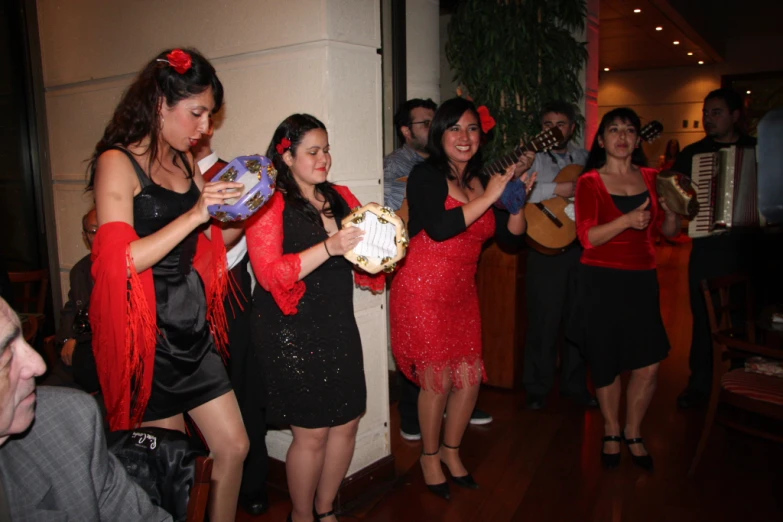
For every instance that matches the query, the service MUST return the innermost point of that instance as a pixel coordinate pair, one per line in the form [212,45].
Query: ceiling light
[747,92]
[676,42]
[701,62]
[606,68]
[659,28]
[637,11]
[690,54]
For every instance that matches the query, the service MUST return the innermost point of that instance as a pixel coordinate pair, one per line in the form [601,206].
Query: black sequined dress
[188,370]
[313,359]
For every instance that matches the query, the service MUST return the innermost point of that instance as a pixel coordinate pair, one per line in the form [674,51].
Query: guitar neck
[502,163]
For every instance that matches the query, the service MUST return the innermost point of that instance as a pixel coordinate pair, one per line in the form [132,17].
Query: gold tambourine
[385,240]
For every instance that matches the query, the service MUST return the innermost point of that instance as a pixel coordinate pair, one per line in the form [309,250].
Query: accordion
[726,184]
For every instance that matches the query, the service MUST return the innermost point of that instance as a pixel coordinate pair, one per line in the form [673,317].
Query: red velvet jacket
[631,249]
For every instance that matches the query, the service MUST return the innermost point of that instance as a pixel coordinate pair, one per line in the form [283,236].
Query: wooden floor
[545,466]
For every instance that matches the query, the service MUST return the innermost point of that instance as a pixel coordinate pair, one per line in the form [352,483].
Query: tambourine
[385,239]
[257,174]
[678,192]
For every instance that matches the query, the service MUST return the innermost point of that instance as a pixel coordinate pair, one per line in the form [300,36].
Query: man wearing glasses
[75,336]
[412,123]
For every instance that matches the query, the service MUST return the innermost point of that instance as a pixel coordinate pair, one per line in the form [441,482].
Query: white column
[274,58]
[422,49]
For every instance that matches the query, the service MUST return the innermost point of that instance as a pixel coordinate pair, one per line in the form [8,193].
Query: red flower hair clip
[179,60]
[487,121]
[283,146]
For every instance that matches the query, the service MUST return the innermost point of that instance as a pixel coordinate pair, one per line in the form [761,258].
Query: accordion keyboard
[703,171]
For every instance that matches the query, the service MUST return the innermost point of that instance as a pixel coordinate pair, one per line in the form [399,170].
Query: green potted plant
[515,55]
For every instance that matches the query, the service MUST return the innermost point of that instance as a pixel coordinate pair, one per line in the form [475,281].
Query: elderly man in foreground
[54,464]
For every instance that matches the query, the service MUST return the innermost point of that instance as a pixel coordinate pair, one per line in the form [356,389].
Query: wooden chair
[50,351]
[199,493]
[30,301]
[762,395]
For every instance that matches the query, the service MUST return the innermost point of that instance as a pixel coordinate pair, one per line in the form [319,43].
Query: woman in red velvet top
[617,320]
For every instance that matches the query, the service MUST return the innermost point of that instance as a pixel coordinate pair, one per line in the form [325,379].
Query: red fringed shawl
[124,321]
[278,273]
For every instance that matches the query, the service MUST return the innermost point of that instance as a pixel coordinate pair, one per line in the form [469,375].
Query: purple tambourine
[257,174]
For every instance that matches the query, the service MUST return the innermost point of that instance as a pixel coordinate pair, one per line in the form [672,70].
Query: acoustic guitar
[550,229]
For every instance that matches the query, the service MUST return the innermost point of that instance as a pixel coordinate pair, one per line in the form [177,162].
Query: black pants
[244,369]
[408,404]
[550,285]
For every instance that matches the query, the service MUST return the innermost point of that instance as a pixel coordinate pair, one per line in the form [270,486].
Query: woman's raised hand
[639,218]
[344,240]
[497,183]
[215,193]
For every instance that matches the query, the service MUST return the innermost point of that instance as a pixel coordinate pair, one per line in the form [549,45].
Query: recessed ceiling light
[690,54]
[659,28]
[606,68]
[637,11]
[701,62]
[676,42]
[747,92]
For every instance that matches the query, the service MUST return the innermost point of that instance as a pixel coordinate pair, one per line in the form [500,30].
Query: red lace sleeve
[373,282]
[276,272]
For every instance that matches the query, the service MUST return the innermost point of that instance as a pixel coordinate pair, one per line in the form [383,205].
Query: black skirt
[616,321]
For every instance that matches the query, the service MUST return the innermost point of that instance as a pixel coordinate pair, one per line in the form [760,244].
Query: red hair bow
[180,61]
[283,145]
[487,121]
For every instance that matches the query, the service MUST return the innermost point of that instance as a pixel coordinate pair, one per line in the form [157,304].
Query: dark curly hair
[447,115]
[597,157]
[294,128]
[137,115]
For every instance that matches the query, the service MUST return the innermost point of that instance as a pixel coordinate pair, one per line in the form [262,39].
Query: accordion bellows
[678,192]
[257,174]
[385,240]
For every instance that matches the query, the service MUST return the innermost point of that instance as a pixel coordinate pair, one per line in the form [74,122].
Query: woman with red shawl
[154,335]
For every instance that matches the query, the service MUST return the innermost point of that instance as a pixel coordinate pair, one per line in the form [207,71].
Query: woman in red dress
[617,319]
[435,320]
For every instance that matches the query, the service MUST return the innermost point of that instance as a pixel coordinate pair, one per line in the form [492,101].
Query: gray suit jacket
[60,469]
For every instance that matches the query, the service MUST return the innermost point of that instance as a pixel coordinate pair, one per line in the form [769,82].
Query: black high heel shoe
[465,481]
[442,489]
[611,460]
[643,461]
[320,516]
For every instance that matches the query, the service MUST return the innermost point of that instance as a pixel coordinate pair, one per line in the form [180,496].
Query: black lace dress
[188,370]
[313,359]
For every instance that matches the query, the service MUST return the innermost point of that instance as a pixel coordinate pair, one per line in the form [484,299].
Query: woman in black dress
[148,304]
[304,324]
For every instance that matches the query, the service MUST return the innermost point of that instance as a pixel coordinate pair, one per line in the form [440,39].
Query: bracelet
[327,250]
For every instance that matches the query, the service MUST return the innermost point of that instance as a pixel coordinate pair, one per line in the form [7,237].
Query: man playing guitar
[549,278]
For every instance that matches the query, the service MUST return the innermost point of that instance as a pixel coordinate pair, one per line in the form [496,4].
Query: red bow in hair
[487,121]
[283,145]
[180,61]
